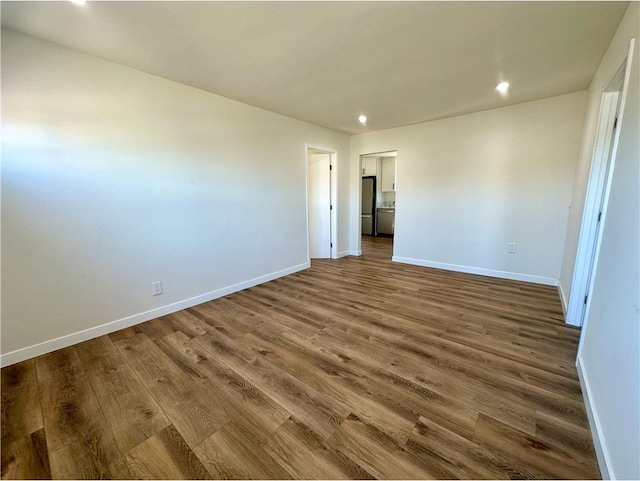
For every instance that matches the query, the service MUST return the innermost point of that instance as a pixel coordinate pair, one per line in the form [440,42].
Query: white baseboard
[97,331]
[563,300]
[604,460]
[514,276]
[355,253]
[343,254]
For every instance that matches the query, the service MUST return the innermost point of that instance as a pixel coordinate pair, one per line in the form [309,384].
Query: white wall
[469,185]
[609,358]
[112,179]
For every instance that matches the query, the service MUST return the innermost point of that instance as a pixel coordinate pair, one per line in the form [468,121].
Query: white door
[595,197]
[319,206]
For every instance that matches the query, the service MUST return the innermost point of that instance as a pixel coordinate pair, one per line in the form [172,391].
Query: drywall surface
[468,186]
[611,62]
[609,357]
[112,179]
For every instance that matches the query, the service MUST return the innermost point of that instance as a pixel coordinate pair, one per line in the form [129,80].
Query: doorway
[377,203]
[321,202]
[611,107]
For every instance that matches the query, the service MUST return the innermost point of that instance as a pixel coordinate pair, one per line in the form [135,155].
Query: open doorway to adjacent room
[378,203]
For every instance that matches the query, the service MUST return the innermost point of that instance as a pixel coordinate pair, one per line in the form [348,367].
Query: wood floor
[355,368]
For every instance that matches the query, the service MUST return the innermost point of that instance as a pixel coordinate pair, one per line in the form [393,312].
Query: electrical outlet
[513,248]
[156,288]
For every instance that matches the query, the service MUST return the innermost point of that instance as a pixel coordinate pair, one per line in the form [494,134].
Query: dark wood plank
[530,452]
[181,321]
[232,453]
[232,319]
[129,408]
[122,334]
[270,309]
[569,436]
[332,379]
[247,406]
[188,324]
[155,328]
[305,455]
[322,413]
[430,373]
[21,413]
[519,351]
[196,409]
[79,439]
[165,455]
[407,398]
[26,457]
[376,452]
[94,456]
[451,456]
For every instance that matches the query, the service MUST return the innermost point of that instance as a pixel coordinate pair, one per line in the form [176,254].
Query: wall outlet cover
[156,288]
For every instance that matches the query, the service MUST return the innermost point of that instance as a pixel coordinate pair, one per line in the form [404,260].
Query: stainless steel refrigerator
[369,205]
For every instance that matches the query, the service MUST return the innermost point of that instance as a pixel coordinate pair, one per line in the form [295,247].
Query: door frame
[598,188]
[359,203]
[333,196]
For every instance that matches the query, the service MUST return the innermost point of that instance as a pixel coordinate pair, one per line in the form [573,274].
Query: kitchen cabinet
[388,174]
[369,166]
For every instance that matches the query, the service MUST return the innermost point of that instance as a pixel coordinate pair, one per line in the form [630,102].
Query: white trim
[93,332]
[334,202]
[514,276]
[563,299]
[355,253]
[343,254]
[602,454]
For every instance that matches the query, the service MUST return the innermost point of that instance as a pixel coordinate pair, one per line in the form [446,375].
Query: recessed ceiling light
[79,2]
[362,119]
[503,87]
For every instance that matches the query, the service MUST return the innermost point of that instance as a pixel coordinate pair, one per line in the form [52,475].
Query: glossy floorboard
[355,368]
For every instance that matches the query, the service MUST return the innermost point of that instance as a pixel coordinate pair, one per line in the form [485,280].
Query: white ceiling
[399,63]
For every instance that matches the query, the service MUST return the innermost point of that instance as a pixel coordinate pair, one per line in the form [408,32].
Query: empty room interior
[320,240]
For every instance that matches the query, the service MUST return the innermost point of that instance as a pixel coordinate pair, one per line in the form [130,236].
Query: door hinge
[585,300]
[330,207]
[599,216]
[330,167]
[331,244]
[615,123]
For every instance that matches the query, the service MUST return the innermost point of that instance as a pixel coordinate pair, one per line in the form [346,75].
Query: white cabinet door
[389,174]
[369,166]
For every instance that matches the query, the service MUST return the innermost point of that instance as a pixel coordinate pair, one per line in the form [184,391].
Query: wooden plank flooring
[356,368]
